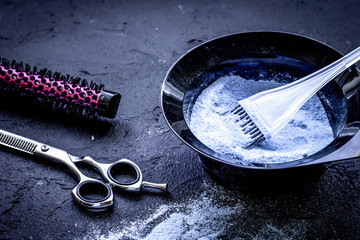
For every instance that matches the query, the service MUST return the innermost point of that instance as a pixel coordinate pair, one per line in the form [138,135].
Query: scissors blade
[17,142]
[32,147]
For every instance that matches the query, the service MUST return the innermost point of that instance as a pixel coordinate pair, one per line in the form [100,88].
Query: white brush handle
[277,106]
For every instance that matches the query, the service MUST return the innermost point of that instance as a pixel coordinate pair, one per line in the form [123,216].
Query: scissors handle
[124,174]
[89,192]
[93,194]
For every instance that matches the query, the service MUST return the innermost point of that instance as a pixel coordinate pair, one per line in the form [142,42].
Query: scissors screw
[44,148]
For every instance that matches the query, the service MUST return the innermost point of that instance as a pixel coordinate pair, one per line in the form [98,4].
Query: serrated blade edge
[17,142]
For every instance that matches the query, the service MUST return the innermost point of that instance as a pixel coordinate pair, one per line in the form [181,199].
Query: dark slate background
[128,46]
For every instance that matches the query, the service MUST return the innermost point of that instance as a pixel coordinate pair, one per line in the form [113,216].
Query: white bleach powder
[217,213]
[308,132]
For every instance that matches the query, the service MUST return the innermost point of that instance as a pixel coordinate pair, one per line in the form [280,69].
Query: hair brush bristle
[62,92]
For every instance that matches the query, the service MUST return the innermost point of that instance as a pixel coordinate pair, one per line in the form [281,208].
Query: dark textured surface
[128,46]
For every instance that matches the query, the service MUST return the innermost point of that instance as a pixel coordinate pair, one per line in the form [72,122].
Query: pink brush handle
[51,87]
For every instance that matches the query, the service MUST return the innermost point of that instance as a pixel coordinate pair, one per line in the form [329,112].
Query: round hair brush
[61,91]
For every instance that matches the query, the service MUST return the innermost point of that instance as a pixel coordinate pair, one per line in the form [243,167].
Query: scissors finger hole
[124,173]
[92,191]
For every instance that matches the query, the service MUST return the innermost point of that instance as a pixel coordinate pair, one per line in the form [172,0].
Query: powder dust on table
[217,213]
[308,132]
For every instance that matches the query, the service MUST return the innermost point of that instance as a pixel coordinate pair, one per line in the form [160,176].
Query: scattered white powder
[217,213]
[308,132]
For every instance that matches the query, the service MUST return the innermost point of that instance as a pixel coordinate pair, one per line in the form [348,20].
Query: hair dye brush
[58,90]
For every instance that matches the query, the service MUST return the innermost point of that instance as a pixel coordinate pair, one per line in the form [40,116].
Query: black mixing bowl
[340,99]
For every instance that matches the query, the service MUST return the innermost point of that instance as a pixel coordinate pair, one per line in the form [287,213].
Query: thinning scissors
[87,187]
